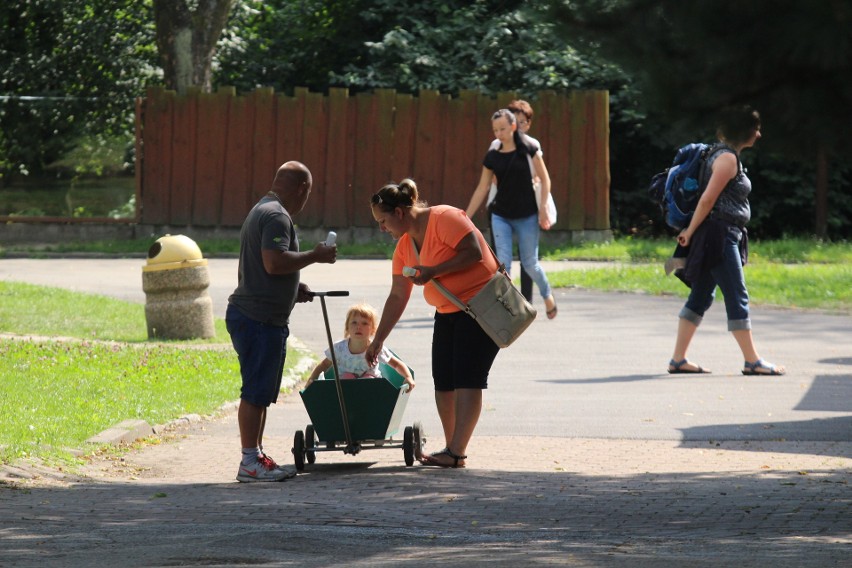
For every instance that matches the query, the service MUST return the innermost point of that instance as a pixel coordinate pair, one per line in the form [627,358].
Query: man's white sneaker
[264,469]
[290,469]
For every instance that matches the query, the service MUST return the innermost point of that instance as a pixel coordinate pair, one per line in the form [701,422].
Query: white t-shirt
[354,365]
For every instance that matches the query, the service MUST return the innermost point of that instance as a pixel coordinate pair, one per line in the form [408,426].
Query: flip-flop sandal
[676,368]
[752,368]
[551,313]
[427,460]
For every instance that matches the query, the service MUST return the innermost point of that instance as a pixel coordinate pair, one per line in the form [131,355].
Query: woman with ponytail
[514,210]
[439,243]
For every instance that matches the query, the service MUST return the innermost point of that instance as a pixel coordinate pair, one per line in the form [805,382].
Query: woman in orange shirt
[452,250]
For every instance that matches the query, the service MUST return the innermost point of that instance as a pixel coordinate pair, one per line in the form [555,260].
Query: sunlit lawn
[57,393]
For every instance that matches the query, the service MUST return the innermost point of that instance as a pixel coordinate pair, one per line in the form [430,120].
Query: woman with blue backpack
[718,246]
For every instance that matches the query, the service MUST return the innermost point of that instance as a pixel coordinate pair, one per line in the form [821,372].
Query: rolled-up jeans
[527,229]
[728,275]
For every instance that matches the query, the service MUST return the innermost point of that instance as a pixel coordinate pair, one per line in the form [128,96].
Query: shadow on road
[384,516]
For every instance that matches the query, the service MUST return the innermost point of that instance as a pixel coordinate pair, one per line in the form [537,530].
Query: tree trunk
[186,40]
[821,205]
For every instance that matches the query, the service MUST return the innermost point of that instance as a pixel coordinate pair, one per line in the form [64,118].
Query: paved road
[588,453]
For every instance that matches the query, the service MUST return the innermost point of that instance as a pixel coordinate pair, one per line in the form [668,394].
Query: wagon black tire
[419,440]
[408,445]
[310,444]
[299,450]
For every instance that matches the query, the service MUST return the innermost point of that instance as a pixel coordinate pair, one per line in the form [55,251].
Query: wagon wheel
[408,445]
[299,450]
[310,443]
[419,440]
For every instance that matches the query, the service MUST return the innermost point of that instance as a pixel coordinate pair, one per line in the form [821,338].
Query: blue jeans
[728,275]
[261,349]
[527,230]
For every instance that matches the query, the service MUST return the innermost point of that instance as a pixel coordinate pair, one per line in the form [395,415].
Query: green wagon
[355,414]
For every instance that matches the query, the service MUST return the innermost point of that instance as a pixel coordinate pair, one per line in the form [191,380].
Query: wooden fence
[205,158]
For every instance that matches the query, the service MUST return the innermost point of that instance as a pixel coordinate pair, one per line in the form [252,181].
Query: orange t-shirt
[445,229]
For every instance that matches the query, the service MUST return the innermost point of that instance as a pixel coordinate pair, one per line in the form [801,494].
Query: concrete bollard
[175,280]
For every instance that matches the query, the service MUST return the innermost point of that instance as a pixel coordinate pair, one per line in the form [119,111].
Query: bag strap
[501,268]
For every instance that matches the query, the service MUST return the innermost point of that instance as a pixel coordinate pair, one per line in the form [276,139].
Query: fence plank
[364,178]
[156,157]
[428,146]
[339,199]
[556,142]
[384,133]
[459,148]
[577,172]
[289,121]
[314,151]
[237,177]
[210,156]
[183,158]
[600,155]
[263,164]
[405,126]
[140,117]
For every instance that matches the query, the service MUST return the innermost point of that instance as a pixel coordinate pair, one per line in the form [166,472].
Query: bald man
[258,311]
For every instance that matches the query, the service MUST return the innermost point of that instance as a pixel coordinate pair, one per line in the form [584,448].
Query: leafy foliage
[485,45]
[791,60]
[68,68]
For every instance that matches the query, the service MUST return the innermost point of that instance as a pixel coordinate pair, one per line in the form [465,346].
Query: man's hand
[325,254]
[304,294]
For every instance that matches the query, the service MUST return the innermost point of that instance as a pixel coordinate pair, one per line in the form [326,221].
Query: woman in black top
[514,210]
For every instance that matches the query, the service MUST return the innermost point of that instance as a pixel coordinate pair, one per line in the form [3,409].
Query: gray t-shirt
[264,297]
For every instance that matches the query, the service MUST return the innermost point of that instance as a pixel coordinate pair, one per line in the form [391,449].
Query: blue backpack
[678,188]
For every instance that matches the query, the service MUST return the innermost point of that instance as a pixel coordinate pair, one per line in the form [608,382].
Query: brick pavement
[522,501]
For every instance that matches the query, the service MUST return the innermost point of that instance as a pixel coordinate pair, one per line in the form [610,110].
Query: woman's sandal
[429,460]
[768,368]
[551,313]
[676,368]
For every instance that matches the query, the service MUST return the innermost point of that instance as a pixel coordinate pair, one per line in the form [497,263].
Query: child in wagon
[361,323]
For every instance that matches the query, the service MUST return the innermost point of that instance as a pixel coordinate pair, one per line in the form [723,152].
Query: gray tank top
[732,205]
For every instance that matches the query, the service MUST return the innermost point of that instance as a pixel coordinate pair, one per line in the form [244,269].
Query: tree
[286,43]
[489,45]
[187,34]
[792,60]
[67,69]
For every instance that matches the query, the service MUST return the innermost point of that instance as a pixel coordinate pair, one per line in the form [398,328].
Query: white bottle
[409,271]
[331,238]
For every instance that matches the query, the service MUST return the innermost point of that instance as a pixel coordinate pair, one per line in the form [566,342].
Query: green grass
[46,311]
[56,393]
[784,251]
[814,286]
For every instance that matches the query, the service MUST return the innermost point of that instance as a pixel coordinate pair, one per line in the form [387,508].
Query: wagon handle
[343,413]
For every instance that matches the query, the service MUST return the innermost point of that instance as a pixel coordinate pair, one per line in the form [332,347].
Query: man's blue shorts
[262,349]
